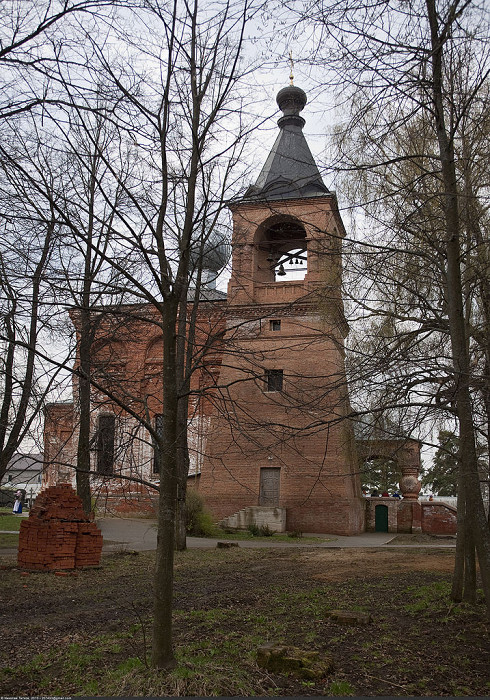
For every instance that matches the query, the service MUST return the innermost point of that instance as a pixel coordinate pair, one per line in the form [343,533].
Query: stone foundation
[259,516]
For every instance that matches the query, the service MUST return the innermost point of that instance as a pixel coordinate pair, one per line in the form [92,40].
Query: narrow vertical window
[275,325]
[274,379]
[106,429]
[156,452]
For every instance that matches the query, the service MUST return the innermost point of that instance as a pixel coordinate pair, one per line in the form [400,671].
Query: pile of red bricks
[58,534]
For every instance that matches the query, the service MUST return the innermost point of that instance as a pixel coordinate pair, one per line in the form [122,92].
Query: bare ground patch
[85,634]
[335,565]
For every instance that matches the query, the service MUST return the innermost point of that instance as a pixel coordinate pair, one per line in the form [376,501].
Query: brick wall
[409,516]
[404,516]
[128,360]
[438,518]
[392,505]
[300,431]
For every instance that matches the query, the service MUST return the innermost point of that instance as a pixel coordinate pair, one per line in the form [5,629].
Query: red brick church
[269,440]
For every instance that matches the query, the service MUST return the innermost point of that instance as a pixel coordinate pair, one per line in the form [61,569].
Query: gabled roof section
[290,170]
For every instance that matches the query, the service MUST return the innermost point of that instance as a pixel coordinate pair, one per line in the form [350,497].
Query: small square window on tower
[275,325]
[273,379]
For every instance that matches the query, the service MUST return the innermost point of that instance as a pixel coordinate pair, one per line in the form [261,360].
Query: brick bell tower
[278,435]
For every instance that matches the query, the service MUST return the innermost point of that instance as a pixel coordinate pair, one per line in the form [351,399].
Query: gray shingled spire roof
[290,170]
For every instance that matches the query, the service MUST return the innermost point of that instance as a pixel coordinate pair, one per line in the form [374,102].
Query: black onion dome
[291,100]
[290,170]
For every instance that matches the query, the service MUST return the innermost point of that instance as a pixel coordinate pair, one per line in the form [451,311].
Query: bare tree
[398,66]
[37,39]
[34,36]
[186,130]
[27,311]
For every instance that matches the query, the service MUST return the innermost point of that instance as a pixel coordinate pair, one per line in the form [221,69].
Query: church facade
[268,417]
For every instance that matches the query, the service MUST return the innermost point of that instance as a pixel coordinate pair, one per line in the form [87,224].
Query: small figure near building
[17,510]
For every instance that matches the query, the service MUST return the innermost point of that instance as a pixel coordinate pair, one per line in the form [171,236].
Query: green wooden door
[381,518]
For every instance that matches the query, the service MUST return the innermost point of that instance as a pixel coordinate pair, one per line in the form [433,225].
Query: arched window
[106,430]
[154,351]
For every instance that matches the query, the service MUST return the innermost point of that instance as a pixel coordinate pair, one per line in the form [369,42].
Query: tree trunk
[181,519]
[464,575]
[182,472]
[182,448]
[469,590]
[83,448]
[162,646]
[183,349]
[459,559]
[475,512]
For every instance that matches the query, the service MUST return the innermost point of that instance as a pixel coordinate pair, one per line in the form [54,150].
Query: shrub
[254,530]
[265,531]
[198,521]
[260,530]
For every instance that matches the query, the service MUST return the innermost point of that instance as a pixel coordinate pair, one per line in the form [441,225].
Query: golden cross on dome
[291,63]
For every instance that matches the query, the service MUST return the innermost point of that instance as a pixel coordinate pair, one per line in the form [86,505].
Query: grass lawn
[8,541]
[89,633]
[9,521]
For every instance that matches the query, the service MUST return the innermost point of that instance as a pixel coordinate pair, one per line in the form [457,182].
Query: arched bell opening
[281,251]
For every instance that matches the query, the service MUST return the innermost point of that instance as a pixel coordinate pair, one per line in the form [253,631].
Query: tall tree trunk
[83,448]
[487,411]
[479,254]
[475,512]
[85,348]
[184,345]
[469,590]
[182,472]
[181,517]
[464,575]
[162,647]
[459,559]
